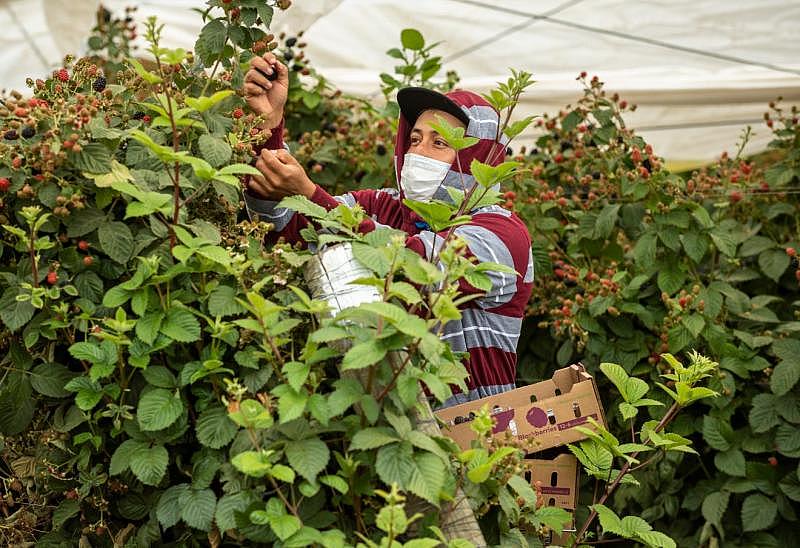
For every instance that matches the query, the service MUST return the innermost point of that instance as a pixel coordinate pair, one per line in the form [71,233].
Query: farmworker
[424,164]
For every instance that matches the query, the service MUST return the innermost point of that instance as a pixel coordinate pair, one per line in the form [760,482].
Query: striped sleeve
[485,244]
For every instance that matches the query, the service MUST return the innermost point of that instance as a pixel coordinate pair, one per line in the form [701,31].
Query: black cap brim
[414,101]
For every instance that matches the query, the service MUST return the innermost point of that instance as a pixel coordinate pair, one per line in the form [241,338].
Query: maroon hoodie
[490,325]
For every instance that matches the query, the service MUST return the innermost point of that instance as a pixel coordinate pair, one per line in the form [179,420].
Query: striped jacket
[490,326]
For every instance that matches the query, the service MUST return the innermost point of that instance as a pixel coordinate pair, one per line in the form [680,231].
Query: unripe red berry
[791,252]
[4,184]
[735,196]
[83,245]
[63,75]
[772,461]
[88,260]
[52,277]
[238,113]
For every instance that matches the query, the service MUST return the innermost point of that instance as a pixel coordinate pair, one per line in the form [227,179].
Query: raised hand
[266,88]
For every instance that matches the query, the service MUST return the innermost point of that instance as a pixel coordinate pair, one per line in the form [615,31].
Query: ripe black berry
[28,132]
[297,68]
[99,84]
[288,55]
[565,145]
[138,115]
[647,165]
[534,151]
[509,151]
[381,149]
[330,127]
[10,135]
[290,42]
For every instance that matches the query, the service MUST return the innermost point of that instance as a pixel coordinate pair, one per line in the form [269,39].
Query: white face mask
[421,176]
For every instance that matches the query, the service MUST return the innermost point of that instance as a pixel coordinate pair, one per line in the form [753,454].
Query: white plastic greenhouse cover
[699,71]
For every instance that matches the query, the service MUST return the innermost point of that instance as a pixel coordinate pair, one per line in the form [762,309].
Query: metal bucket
[330,273]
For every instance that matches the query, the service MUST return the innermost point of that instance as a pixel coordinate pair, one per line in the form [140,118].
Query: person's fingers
[272,168]
[253,90]
[260,63]
[283,72]
[285,157]
[269,58]
[259,186]
[267,70]
[258,78]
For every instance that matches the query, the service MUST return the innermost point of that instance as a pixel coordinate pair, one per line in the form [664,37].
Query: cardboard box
[546,411]
[559,479]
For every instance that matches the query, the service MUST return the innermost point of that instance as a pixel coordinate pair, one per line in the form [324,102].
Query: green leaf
[304,206]
[372,438]
[49,379]
[147,326]
[222,302]
[714,506]
[158,409]
[774,262]
[374,259]
[731,462]
[66,509]
[210,43]
[725,242]
[695,244]
[606,220]
[717,433]
[763,413]
[412,39]
[308,457]
[785,375]
[93,158]
[363,355]
[670,277]
[116,241]
[146,75]
[149,464]
[181,325]
[15,313]
[88,351]
[214,428]
[228,506]
[427,476]
[215,151]
[160,376]
[168,510]
[335,482]
[252,463]
[644,252]
[202,104]
[758,512]
[197,508]
[631,388]
[609,521]
[121,459]
[394,463]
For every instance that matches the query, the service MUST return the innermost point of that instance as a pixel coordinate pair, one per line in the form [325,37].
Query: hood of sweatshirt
[483,124]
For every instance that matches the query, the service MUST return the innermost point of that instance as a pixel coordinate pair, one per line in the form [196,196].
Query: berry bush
[166,378]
